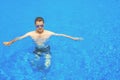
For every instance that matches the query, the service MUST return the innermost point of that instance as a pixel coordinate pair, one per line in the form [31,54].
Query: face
[39,26]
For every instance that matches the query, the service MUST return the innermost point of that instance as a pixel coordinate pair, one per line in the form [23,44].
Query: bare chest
[43,35]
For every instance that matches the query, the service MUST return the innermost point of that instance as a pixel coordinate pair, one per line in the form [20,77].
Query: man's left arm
[67,36]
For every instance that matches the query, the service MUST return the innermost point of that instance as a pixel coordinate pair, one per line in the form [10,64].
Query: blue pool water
[97,57]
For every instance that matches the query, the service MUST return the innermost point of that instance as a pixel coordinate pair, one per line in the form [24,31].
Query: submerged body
[42,49]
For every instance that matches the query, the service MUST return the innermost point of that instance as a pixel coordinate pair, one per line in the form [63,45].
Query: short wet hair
[39,19]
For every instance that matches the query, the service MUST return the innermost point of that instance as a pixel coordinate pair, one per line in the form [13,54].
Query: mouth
[40,30]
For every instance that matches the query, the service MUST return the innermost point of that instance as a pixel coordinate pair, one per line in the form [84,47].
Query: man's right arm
[16,39]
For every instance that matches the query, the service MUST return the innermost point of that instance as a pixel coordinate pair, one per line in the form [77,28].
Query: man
[40,36]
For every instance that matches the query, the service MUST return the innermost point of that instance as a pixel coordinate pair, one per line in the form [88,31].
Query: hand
[77,38]
[7,43]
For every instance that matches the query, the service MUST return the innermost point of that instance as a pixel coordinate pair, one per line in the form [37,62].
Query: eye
[37,26]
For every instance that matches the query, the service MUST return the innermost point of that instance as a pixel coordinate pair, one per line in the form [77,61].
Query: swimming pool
[97,57]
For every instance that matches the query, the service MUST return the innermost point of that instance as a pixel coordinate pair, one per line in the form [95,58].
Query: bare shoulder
[49,32]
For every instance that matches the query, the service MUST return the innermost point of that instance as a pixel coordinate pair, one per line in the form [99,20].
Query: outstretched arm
[64,35]
[16,39]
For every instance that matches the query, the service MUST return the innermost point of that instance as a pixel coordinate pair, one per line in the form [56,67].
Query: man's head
[39,23]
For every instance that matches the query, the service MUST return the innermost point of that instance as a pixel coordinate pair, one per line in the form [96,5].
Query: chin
[40,31]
